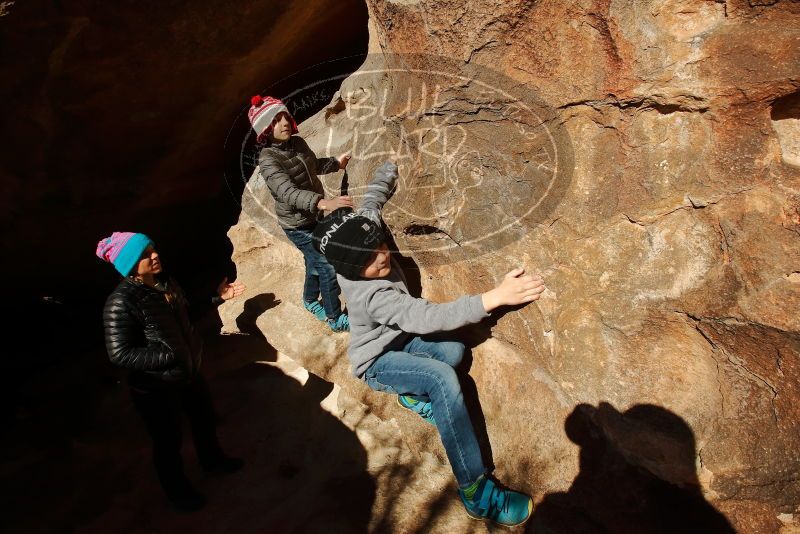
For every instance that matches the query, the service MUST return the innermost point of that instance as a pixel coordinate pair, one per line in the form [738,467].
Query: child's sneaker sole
[496,503]
[492,521]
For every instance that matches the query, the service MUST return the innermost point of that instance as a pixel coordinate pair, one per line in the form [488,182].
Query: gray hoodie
[383,316]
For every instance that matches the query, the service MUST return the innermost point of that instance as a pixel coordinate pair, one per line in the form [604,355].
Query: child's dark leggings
[162,413]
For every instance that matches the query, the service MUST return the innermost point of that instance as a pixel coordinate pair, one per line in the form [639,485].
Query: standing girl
[148,332]
[290,167]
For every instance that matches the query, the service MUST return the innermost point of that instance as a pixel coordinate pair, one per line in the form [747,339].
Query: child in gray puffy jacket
[290,167]
[389,352]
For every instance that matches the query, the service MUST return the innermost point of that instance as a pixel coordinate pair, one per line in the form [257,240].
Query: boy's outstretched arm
[378,191]
[418,316]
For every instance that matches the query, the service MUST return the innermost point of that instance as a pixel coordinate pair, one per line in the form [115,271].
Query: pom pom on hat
[256,100]
[123,250]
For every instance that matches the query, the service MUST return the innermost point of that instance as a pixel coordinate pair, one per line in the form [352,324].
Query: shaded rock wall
[669,241]
[116,116]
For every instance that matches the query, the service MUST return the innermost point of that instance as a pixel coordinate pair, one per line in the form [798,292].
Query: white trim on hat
[265,116]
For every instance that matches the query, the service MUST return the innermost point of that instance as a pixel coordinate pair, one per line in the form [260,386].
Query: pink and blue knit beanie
[123,249]
[263,111]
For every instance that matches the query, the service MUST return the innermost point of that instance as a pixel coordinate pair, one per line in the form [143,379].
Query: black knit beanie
[347,241]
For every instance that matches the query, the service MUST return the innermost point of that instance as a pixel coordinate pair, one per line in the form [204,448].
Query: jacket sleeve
[324,165]
[418,316]
[378,191]
[124,341]
[198,299]
[327,165]
[283,189]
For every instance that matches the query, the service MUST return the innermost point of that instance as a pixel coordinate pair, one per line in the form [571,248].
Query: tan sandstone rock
[642,156]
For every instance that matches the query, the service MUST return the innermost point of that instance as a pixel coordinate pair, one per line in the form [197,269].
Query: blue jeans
[424,370]
[320,275]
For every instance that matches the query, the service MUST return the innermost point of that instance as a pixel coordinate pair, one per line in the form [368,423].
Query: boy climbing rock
[389,351]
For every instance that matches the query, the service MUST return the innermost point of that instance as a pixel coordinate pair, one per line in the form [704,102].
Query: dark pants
[161,411]
[320,276]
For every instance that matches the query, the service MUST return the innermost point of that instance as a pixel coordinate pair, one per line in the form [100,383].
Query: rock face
[642,156]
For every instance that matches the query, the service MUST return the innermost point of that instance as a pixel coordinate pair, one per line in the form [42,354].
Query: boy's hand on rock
[344,159]
[516,288]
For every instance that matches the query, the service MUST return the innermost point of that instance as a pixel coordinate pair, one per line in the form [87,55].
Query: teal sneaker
[496,503]
[419,407]
[340,324]
[316,309]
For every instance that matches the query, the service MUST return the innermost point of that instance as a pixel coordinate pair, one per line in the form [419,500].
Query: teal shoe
[316,309]
[418,407]
[496,503]
[340,324]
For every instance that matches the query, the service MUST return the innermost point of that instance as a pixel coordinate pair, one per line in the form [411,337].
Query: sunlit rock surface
[643,157]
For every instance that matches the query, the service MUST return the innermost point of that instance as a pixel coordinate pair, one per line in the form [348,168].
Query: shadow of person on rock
[637,474]
[409,266]
[472,336]
[471,398]
[246,322]
[473,402]
[253,308]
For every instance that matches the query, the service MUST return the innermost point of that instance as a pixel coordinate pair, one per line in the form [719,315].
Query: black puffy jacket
[150,336]
[290,170]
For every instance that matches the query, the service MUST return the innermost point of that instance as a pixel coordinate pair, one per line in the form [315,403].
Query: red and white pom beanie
[263,111]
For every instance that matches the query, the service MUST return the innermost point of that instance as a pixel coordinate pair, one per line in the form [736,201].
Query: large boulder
[642,156]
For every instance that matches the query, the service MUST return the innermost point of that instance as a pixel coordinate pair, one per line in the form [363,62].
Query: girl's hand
[344,159]
[333,204]
[516,288]
[228,291]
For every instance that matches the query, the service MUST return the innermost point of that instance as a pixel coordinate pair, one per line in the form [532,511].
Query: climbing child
[290,167]
[389,352]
